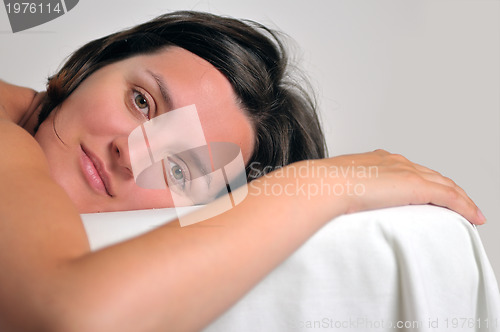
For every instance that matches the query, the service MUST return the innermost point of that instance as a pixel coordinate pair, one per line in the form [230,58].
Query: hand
[379,179]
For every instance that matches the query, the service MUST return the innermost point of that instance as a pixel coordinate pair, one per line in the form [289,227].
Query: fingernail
[481,216]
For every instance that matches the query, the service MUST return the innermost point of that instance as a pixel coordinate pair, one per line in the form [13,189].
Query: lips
[94,172]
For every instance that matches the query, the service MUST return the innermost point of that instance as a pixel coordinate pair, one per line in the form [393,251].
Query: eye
[178,174]
[142,104]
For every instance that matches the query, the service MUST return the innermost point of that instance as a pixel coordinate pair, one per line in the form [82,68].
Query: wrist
[308,189]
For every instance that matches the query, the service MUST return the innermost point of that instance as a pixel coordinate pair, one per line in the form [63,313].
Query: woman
[76,160]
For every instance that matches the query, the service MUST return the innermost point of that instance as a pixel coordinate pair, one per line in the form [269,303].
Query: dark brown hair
[249,55]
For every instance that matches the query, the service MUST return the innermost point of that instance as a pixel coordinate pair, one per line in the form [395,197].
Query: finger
[475,215]
[438,178]
[451,198]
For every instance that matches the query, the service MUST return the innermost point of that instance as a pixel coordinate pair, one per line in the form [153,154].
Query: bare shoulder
[20,146]
[16,102]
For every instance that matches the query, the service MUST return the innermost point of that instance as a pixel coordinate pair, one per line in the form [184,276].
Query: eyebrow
[163,90]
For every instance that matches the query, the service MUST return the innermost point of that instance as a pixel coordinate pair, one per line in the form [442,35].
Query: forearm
[173,273]
[165,278]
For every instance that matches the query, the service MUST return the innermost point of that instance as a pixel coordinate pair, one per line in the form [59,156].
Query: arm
[166,277]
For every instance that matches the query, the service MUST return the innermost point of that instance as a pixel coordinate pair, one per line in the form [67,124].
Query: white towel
[416,268]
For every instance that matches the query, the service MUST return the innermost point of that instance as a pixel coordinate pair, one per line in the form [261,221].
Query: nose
[120,155]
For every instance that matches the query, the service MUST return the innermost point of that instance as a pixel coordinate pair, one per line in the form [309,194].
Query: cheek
[234,129]
[139,199]
[97,115]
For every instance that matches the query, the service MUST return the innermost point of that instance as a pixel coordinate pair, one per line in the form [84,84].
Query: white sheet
[418,267]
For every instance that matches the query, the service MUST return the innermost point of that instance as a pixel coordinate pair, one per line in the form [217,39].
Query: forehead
[190,80]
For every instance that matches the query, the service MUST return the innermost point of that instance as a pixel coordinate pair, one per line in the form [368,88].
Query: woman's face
[88,151]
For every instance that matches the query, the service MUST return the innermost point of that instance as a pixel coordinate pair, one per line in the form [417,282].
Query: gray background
[420,78]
